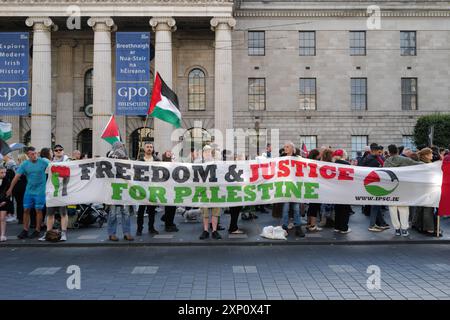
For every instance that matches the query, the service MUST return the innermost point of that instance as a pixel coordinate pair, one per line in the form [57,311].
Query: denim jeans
[285,219]
[124,212]
[376,215]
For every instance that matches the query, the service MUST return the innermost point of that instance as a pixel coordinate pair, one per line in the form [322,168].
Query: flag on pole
[164,103]
[305,152]
[444,204]
[5,130]
[111,132]
[4,148]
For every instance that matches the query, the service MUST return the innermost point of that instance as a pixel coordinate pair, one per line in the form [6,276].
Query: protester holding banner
[235,211]
[169,211]
[376,214]
[401,225]
[424,218]
[119,152]
[148,156]
[289,150]
[59,156]
[313,208]
[215,212]
[342,211]
[34,169]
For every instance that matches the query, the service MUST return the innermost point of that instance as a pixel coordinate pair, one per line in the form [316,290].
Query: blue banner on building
[14,75]
[133,79]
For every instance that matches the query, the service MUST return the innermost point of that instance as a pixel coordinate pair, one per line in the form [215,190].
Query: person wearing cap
[58,156]
[215,212]
[342,211]
[377,222]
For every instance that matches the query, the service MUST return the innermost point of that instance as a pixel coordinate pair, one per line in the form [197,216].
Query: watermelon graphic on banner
[381,183]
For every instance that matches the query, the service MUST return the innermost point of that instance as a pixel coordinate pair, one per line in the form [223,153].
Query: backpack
[53,235]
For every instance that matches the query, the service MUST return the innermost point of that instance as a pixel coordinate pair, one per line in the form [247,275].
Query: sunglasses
[58,150]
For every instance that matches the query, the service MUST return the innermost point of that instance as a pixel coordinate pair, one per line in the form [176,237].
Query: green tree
[441,123]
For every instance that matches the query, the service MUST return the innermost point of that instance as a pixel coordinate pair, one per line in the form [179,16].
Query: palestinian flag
[111,131]
[164,103]
[4,148]
[5,130]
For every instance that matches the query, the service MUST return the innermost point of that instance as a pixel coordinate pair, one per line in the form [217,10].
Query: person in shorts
[35,171]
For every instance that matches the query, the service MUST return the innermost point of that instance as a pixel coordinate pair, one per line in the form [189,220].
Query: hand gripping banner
[236,183]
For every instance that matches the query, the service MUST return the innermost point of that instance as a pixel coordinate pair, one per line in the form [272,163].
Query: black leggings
[234,213]
[169,215]
[151,211]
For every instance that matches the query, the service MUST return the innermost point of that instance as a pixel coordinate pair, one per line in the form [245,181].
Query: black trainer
[23,234]
[204,235]
[216,235]
[171,228]
[138,233]
[153,231]
[299,232]
[35,234]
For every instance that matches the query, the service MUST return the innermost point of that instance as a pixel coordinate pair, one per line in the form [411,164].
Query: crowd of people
[23,183]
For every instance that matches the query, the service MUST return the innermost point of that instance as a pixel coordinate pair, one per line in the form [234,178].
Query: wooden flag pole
[140,138]
[438,226]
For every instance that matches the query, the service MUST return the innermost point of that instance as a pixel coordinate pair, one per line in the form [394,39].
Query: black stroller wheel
[76,225]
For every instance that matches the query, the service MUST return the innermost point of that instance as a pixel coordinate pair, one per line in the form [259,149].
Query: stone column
[102,82]
[223,75]
[64,96]
[41,98]
[163,28]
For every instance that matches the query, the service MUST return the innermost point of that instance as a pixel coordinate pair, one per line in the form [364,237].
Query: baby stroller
[89,214]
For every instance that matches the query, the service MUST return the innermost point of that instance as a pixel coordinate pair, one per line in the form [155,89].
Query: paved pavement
[228,272]
[190,231]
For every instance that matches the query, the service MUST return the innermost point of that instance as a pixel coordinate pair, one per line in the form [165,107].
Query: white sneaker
[10,219]
[345,232]
[63,236]
[3,239]
[43,237]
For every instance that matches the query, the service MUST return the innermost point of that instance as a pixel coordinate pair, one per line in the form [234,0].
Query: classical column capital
[105,24]
[222,22]
[41,24]
[163,24]
[66,42]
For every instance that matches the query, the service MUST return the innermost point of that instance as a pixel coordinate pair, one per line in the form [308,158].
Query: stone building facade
[321,72]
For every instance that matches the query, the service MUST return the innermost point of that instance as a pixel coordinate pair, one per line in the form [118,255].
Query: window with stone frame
[358,144]
[88,87]
[256,43]
[309,141]
[357,43]
[409,94]
[359,93]
[408,43]
[257,94]
[196,90]
[307,43]
[307,94]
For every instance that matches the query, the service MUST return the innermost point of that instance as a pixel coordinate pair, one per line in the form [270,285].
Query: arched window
[194,139]
[84,142]
[88,87]
[196,90]
[138,135]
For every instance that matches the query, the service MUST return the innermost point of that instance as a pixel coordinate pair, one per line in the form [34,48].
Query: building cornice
[118,8]
[339,13]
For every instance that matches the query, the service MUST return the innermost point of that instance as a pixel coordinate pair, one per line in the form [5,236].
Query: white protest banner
[236,183]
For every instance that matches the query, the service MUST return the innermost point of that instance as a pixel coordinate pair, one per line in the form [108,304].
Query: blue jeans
[112,220]
[376,216]
[285,219]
